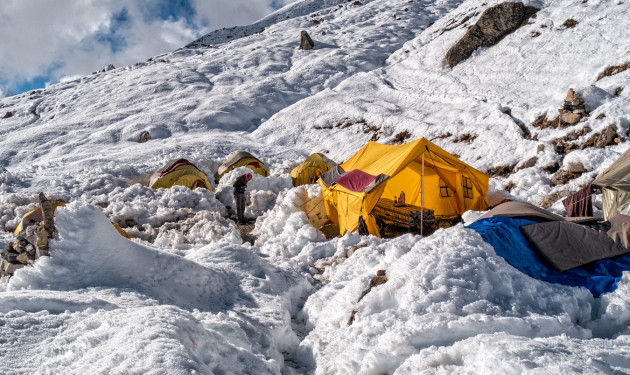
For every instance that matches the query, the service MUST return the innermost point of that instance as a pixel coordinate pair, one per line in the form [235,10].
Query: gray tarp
[332,175]
[521,209]
[568,245]
[528,210]
[615,181]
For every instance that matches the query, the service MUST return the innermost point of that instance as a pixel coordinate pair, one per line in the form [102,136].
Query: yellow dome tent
[179,172]
[242,159]
[313,167]
[379,171]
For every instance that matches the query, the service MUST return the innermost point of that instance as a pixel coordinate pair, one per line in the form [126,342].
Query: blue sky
[45,41]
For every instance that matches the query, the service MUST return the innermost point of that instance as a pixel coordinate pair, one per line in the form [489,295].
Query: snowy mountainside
[188,295]
[526,73]
[183,96]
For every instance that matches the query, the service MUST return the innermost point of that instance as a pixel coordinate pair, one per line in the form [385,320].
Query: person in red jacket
[239,196]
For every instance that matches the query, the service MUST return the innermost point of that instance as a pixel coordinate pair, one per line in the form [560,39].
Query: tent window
[468,191]
[444,189]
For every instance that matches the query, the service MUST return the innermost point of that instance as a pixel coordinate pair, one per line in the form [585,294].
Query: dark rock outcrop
[144,137]
[562,177]
[501,170]
[494,24]
[306,42]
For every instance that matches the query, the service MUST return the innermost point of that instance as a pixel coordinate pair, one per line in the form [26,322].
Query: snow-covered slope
[188,295]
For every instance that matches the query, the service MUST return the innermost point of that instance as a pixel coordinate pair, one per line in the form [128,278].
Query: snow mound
[441,290]
[286,230]
[103,302]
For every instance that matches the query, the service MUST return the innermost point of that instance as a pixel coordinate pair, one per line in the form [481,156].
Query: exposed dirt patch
[441,136]
[612,70]
[502,170]
[330,230]
[570,23]
[401,137]
[246,232]
[467,138]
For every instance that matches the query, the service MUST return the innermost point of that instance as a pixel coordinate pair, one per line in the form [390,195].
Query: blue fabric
[504,235]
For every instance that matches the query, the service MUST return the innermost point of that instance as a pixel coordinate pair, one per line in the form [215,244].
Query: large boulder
[494,24]
[306,42]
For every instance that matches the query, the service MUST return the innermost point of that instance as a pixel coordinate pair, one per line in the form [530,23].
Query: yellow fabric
[308,172]
[185,175]
[245,162]
[121,231]
[36,214]
[403,163]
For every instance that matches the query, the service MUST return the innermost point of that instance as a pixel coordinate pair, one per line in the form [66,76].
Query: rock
[529,163]
[306,42]
[8,114]
[575,167]
[40,252]
[570,23]
[10,256]
[494,24]
[144,137]
[540,148]
[23,258]
[572,96]
[379,279]
[607,137]
[553,168]
[562,177]
[47,212]
[10,268]
[108,68]
[502,170]
[552,198]
[570,117]
[351,318]
[42,238]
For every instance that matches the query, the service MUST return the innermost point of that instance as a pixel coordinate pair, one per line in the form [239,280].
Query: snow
[190,294]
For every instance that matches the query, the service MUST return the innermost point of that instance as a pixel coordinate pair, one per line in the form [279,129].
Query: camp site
[338,187]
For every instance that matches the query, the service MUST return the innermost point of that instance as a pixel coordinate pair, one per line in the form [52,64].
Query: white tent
[615,182]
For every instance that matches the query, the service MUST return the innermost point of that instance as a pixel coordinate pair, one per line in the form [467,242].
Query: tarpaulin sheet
[504,235]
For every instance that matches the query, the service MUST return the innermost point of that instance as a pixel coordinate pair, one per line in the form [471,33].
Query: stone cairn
[31,243]
[573,109]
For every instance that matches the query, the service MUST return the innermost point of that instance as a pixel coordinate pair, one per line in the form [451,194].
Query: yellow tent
[313,167]
[380,171]
[242,159]
[179,172]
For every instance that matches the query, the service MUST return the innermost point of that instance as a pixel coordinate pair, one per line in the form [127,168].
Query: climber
[239,196]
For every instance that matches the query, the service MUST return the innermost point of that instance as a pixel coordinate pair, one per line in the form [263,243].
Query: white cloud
[56,39]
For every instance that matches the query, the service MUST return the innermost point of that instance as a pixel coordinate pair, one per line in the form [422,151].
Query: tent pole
[422,198]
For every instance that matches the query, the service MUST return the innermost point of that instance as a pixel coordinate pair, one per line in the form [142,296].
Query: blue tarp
[504,235]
